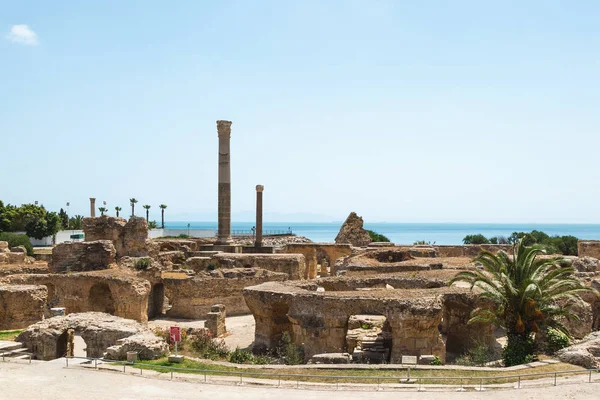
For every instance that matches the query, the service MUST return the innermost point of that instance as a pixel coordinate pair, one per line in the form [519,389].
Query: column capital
[92,199]
[260,188]
[224,128]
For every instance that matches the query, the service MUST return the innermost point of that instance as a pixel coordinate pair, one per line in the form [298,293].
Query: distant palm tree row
[133,202]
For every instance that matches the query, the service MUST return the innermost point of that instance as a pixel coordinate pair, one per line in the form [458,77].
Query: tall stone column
[259,214]
[224,234]
[92,207]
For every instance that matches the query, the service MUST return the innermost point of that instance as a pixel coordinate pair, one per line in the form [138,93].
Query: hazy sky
[412,111]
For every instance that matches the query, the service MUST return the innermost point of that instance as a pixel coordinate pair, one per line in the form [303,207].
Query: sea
[405,233]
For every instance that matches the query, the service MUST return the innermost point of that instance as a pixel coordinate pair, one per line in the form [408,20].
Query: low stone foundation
[293,265]
[318,254]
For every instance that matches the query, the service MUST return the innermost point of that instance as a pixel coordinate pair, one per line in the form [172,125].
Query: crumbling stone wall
[470,250]
[352,232]
[319,320]
[588,248]
[123,296]
[215,321]
[82,256]
[316,253]
[293,265]
[21,305]
[192,297]
[460,336]
[48,339]
[130,238]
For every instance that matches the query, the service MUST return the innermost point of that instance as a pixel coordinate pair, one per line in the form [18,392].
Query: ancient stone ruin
[352,232]
[104,335]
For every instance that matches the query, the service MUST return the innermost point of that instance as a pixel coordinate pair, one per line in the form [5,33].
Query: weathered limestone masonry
[21,305]
[82,256]
[101,332]
[319,320]
[123,296]
[317,313]
[352,232]
[259,215]
[318,253]
[588,248]
[92,207]
[15,255]
[470,250]
[130,238]
[192,297]
[215,321]
[294,265]
[224,205]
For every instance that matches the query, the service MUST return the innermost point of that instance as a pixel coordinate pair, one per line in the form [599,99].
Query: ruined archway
[101,299]
[369,338]
[156,300]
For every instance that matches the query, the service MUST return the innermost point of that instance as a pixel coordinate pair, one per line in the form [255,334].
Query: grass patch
[435,376]
[9,335]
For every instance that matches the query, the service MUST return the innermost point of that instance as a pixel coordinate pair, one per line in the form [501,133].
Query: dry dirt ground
[240,328]
[50,380]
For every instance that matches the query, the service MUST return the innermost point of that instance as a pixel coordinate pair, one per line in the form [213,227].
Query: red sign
[175,333]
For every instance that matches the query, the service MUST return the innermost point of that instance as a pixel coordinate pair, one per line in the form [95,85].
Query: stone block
[4,247]
[215,321]
[82,256]
[18,249]
[16,257]
[21,305]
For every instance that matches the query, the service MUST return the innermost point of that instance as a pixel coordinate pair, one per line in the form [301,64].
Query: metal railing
[418,382]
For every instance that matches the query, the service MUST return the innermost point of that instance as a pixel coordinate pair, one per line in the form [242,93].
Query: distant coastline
[407,233]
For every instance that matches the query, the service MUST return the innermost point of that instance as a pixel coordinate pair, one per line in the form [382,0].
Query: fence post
[555,379]
[141,372]
[67,358]
[590,380]
[171,375]
[378,379]
[95,363]
[279,383]
[123,368]
[204,376]
[481,385]
[519,387]
[241,378]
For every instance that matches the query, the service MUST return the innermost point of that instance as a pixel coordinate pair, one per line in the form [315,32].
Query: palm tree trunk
[147,212]
[132,210]
[162,216]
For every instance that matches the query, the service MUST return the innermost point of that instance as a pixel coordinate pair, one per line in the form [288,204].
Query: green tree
[132,201]
[162,215]
[117,209]
[64,219]
[476,239]
[5,217]
[152,225]
[76,222]
[526,293]
[46,225]
[377,237]
[147,207]
[102,210]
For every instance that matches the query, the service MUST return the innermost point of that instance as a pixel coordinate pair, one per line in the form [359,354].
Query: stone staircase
[13,350]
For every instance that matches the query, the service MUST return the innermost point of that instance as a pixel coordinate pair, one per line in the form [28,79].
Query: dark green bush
[518,350]
[240,356]
[288,352]
[476,239]
[556,340]
[205,346]
[143,263]
[436,361]
[15,240]
[376,237]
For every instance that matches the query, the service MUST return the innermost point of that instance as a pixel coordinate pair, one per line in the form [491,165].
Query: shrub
[556,340]
[15,240]
[376,237]
[288,352]
[240,356]
[211,267]
[476,239]
[518,350]
[478,356]
[205,346]
[143,263]
[436,361]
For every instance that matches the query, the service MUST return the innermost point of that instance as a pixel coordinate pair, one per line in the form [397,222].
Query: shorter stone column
[215,321]
[92,207]
[259,215]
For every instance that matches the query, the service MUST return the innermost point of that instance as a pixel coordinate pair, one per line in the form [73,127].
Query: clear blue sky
[404,111]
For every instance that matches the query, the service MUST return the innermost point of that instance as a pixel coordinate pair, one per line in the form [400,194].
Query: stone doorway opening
[369,339]
[62,345]
[101,299]
[156,301]
[281,322]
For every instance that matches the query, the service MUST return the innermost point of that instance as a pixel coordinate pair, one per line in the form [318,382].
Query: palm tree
[132,201]
[147,207]
[117,209]
[162,214]
[102,210]
[526,293]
